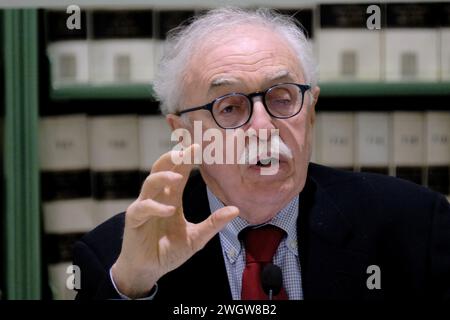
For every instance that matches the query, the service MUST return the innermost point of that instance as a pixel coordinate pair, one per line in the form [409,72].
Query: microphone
[271,280]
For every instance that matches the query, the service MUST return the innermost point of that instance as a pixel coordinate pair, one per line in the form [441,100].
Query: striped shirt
[286,256]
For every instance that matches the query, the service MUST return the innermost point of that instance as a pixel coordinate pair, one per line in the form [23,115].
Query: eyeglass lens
[234,110]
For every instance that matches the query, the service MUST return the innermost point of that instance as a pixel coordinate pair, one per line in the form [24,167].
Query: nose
[260,118]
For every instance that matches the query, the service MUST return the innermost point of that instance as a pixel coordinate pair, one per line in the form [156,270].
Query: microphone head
[271,279]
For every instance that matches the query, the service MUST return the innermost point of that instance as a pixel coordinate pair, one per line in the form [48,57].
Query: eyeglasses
[234,110]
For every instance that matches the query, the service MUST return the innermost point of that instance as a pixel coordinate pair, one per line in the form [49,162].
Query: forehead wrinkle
[250,63]
[217,70]
[222,81]
[217,75]
[269,77]
[264,54]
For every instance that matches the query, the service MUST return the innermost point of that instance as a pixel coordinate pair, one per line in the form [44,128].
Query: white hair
[183,40]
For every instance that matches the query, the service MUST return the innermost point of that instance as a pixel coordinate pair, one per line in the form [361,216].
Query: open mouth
[264,163]
[268,166]
[267,162]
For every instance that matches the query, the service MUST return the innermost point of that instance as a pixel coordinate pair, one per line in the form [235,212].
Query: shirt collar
[286,219]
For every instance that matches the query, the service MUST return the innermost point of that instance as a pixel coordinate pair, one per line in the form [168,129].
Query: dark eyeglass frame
[209,106]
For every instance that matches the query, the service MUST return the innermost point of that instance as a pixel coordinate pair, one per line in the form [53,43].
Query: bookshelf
[363,89]
[327,89]
[23,214]
[175,4]
[87,92]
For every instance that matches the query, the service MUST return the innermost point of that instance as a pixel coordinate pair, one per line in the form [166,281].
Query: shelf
[180,3]
[331,89]
[360,89]
[91,91]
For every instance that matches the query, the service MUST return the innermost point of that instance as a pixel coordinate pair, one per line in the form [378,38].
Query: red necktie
[260,247]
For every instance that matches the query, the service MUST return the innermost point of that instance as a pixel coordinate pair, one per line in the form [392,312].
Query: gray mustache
[265,150]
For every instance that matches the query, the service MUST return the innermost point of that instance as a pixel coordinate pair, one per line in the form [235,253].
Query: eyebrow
[228,81]
[222,82]
[279,75]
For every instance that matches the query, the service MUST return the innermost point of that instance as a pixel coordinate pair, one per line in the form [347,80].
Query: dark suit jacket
[347,222]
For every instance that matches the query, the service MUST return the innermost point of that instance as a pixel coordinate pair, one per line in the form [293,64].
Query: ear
[175,122]
[315,93]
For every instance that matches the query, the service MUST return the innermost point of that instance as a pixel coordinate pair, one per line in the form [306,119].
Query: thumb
[206,229]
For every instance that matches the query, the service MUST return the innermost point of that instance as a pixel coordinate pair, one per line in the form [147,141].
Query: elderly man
[210,235]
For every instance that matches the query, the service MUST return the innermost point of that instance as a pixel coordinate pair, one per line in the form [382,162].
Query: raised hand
[157,238]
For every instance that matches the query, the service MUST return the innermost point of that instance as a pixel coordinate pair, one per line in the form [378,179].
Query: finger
[171,159]
[156,182]
[164,163]
[184,167]
[141,211]
[206,229]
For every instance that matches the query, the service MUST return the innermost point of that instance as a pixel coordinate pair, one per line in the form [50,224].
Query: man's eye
[229,109]
[282,102]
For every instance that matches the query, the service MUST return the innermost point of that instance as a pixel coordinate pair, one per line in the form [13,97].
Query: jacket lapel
[329,270]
